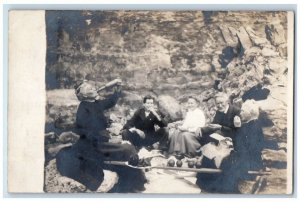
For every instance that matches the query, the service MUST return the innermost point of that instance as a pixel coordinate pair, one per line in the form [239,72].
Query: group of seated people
[234,138]
[188,135]
[149,128]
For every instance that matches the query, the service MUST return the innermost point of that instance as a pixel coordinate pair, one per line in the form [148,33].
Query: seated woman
[184,135]
[249,138]
[249,142]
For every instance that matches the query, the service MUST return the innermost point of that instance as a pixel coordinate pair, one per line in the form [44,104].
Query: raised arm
[111,100]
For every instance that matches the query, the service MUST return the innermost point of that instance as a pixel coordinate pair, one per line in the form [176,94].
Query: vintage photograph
[180,102]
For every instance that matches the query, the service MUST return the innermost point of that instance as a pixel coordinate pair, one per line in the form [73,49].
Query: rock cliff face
[170,55]
[175,54]
[150,47]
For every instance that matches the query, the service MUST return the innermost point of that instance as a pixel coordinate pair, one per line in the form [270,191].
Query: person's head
[148,102]
[192,103]
[85,91]
[249,111]
[222,101]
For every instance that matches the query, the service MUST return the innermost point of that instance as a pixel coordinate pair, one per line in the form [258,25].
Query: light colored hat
[86,91]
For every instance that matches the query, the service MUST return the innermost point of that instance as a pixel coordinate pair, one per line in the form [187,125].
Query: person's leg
[163,139]
[116,152]
[133,138]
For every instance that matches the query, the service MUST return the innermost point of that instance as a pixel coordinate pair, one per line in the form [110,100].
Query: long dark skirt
[183,142]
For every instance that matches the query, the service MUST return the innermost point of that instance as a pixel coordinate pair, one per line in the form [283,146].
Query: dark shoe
[179,156]
[189,155]
[162,148]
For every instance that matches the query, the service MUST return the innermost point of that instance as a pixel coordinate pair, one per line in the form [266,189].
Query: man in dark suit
[140,129]
[227,116]
[226,120]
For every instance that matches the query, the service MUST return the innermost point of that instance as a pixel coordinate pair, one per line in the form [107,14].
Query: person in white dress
[184,135]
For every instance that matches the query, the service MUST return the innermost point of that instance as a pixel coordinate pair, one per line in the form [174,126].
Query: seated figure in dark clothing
[226,119]
[140,129]
[84,161]
[249,137]
[249,142]
[90,119]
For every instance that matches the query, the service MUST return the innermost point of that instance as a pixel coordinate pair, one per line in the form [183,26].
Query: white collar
[226,109]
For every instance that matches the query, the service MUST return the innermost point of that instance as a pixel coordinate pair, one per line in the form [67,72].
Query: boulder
[253,51]
[215,63]
[257,40]
[282,49]
[56,183]
[274,158]
[132,99]
[203,67]
[229,35]
[115,128]
[275,34]
[66,119]
[269,52]
[62,97]
[277,65]
[170,107]
[282,146]
[244,38]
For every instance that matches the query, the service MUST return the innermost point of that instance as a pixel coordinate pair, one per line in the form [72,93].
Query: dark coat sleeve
[131,122]
[109,101]
[228,126]
[161,123]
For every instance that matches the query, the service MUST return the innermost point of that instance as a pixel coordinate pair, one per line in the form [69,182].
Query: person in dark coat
[226,119]
[249,137]
[90,118]
[249,143]
[140,129]
[84,161]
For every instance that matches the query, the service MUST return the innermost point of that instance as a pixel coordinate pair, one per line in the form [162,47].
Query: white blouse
[193,120]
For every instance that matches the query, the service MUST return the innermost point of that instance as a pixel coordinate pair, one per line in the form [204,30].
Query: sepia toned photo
[167,102]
